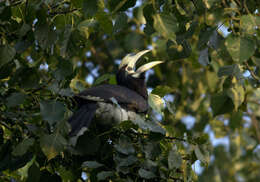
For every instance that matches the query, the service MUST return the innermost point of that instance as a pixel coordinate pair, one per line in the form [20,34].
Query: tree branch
[251,72]
[63,12]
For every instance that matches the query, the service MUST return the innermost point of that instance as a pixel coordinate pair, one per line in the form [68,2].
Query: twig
[167,137]
[256,126]
[17,3]
[251,72]
[63,12]
[26,7]
[176,179]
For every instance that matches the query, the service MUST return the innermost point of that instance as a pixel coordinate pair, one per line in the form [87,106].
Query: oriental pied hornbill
[114,103]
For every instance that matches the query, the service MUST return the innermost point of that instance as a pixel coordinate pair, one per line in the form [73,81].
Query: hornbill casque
[114,103]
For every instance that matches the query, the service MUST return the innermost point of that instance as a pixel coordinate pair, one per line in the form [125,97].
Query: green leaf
[148,12]
[104,175]
[105,22]
[22,147]
[52,145]
[45,36]
[236,120]
[237,94]
[203,157]
[174,159]
[52,111]
[24,29]
[6,70]
[87,26]
[204,57]
[179,8]
[249,23]
[65,40]
[230,70]
[21,77]
[149,125]
[152,150]
[166,25]
[212,80]
[240,48]
[91,164]
[90,8]
[7,53]
[33,173]
[156,103]
[103,78]
[15,99]
[170,107]
[63,127]
[134,41]
[66,173]
[124,145]
[143,173]
[120,5]
[120,22]
[126,161]
[249,141]
[64,69]
[162,90]
[180,50]
[204,37]
[221,104]
[24,171]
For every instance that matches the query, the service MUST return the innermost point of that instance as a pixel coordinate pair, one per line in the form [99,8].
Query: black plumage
[130,93]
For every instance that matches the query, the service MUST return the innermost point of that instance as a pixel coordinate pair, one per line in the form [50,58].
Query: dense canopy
[204,117]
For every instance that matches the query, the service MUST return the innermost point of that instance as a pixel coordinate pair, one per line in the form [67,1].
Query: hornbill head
[133,78]
[130,94]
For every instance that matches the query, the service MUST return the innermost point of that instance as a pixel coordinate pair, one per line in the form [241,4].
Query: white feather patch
[93,98]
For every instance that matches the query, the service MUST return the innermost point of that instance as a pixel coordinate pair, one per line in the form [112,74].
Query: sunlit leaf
[237,94]
[156,102]
[240,48]
[162,90]
[249,23]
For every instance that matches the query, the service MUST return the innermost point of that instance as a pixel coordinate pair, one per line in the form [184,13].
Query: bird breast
[112,114]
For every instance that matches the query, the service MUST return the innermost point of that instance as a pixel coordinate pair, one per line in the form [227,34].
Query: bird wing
[124,96]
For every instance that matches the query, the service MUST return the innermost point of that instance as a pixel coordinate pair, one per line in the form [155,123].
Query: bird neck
[136,84]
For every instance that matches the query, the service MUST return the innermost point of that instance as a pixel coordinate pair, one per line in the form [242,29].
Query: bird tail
[82,117]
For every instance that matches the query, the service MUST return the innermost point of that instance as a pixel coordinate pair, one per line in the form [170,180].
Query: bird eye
[129,69]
